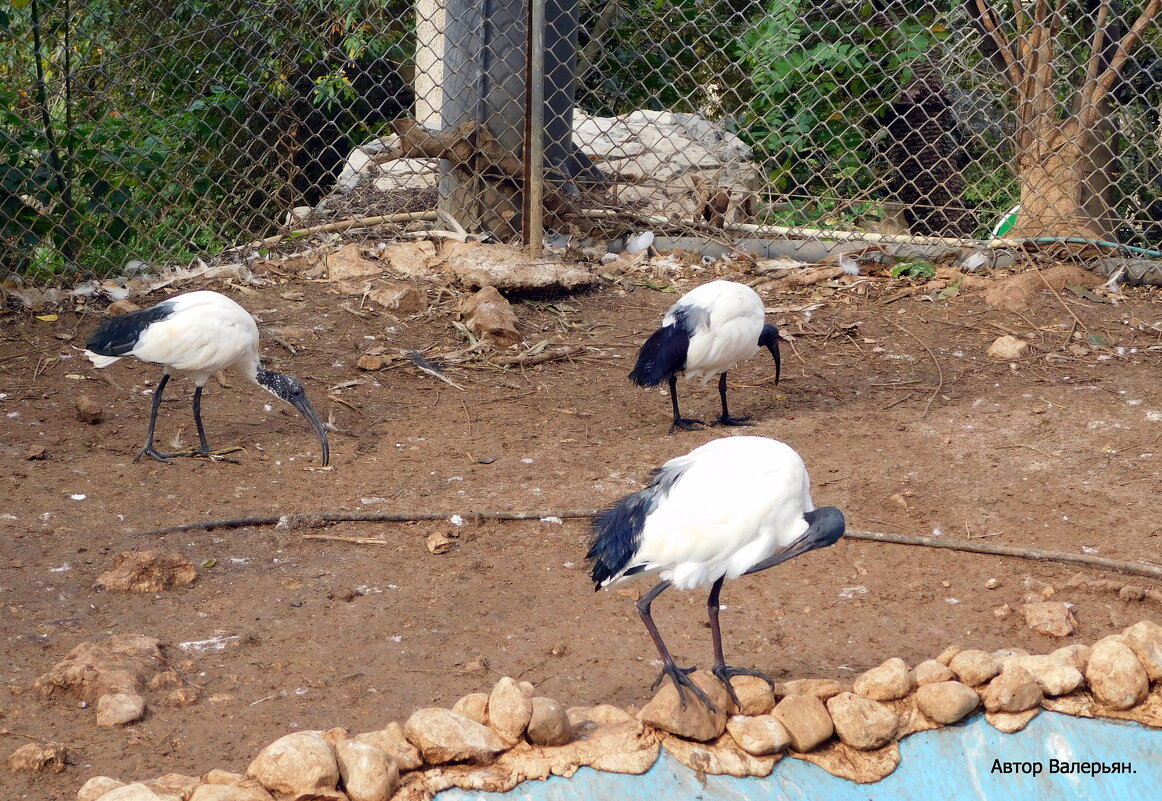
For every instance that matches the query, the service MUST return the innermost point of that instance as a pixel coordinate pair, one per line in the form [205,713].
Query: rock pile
[491,742]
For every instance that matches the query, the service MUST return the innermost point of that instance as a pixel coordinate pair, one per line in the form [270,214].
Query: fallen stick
[343,225]
[327,518]
[540,358]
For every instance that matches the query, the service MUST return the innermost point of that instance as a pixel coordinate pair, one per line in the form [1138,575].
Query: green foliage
[156,130]
[821,76]
[914,268]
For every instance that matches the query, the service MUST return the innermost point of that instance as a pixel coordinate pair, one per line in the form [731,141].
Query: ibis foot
[725,672]
[726,420]
[168,458]
[686,424]
[681,678]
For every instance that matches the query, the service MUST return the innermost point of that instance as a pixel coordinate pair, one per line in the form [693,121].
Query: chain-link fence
[139,131]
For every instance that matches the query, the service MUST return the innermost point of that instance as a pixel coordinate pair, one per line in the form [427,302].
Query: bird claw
[723,420]
[681,679]
[725,672]
[148,450]
[686,424]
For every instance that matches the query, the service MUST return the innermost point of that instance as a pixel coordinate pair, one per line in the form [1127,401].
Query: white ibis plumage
[734,506]
[706,333]
[198,334]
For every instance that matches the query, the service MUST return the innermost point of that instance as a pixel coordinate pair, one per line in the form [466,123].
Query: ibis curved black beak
[769,339]
[824,527]
[308,411]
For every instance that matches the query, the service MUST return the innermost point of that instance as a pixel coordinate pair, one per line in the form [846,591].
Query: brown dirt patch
[1058,451]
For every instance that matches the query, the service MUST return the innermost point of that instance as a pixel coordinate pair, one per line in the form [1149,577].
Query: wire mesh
[137,132]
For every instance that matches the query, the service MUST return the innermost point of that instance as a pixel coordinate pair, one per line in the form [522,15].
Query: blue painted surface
[954,763]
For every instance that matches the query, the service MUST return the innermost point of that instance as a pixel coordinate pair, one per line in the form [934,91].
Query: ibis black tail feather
[118,336]
[662,355]
[769,339]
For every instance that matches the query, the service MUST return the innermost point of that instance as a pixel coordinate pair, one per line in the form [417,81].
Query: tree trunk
[1066,183]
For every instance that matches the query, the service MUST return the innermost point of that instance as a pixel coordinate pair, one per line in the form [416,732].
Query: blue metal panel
[955,763]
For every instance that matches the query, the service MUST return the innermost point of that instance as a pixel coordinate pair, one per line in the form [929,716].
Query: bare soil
[903,422]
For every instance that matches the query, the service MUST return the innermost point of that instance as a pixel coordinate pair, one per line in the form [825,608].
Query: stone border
[492,742]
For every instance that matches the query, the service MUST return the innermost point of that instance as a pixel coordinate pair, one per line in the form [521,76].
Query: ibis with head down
[734,506]
[706,333]
[198,334]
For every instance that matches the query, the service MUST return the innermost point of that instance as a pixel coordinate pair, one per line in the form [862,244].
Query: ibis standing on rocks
[197,333]
[708,331]
[734,506]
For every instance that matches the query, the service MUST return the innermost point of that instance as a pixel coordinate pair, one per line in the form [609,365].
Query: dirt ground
[902,420]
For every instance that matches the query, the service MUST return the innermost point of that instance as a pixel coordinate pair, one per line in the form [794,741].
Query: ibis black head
[769,339]
[824,527]
[290,389]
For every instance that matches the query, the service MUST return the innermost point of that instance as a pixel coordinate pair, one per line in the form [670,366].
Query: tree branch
[1129,42]
[1088,111]
[991,25]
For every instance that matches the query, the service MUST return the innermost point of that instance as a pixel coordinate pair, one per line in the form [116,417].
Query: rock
[1115,675]
[509,269]
[887,682]
[368,773]
[177,784]
[473,706]
[348,262]
[601,715]
[722,757]
[974,667]
[369,362]
[88,410]
[820,688]
[147,571]
[1014,690]
[694,721]
[1145,640]
[96,787]
[444,736]
[755,695]
[36,453]
[1053,618]
[399,296]
[1132,592]
[219,776]
[391,740]
[931,671]
[229,792]
[548,724]
[760,735]
[119,709]
[861,722]
[1076,655]
[410,259]
[946,701]
[296,764]
[37,758]
[1001,654]
[489,316]
[1011,722]
[1053,675]
[806,720]
[1018,292]
[509,710]
[180,698]
[948,654]
[137,791]
[121,664]
[119,307]
[1009,348]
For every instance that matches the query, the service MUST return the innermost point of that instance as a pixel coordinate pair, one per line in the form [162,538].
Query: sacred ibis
[708,331]
[196,333]
[734,506]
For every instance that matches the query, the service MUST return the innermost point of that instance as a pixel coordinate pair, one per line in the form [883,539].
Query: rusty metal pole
[533,214]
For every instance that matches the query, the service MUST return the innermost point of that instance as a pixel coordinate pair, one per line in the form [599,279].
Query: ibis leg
[680,676]
[722,670]
[684,423]
[204,444]
[149,450]
[726,419]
